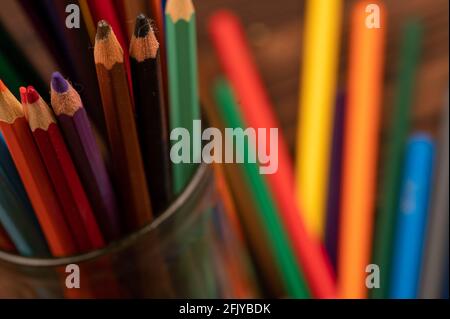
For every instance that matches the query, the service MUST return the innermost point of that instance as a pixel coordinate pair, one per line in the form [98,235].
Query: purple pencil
[334,186]
[77,131]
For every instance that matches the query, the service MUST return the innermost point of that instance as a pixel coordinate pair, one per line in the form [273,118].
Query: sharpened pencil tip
[142,26]
[58,83]
[103,30]
[32,95]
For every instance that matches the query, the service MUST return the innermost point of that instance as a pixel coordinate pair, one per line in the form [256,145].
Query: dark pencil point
[142,26]
[59,84]
[103,30]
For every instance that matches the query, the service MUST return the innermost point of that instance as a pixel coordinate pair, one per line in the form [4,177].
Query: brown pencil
[33,173]
[128,167]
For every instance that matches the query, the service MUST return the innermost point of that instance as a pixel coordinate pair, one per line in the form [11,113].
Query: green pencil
[9,74]
[290,271]
[393,159]
[181,42]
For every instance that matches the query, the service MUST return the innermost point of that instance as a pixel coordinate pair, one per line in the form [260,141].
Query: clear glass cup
[189,251]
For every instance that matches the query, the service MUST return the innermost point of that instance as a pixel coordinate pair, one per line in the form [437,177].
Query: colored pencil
[78,134]
[181,44]
[335,179]
[76,208]
[293,280]
[5,242]
[150,112]
[364,93]
[9,72]
[16,213]
[393,157]
[157,14]
[316,108]
[437,238]
[412,217]
[87,18]
[234,55]
[79,51]
[34,175]
[129,11]
[128,167]
[105,10]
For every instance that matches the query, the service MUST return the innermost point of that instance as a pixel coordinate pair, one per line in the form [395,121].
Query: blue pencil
[412,217]
[16,214]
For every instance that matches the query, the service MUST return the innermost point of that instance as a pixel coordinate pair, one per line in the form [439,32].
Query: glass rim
[201,173]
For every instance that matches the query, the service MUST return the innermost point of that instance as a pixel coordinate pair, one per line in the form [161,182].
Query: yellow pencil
[90,26]
[316,102]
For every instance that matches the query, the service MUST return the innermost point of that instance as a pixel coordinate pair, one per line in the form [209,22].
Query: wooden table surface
[274,29]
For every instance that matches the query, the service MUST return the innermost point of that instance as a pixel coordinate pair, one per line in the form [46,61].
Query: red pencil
[233,52]
[61,169]
[5,242]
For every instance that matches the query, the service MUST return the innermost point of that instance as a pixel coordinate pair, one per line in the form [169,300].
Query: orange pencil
[34,176]
[361,146]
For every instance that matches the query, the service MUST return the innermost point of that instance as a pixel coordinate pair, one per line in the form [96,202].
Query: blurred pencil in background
[316,108]
[412,217]
[364,93]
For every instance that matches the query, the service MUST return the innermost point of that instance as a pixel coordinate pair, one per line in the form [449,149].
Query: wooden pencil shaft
[128,168]
[77,210]
[34,176]
[75,126]
[151,121]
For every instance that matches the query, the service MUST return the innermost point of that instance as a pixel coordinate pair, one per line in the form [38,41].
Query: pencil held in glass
[181,41]
[16,214]
[126,158]
[67,185]
[20,141]
[394,154]
[150,112]
[364,92]
[316,109]
[233,52]
[292,277]
[77,131]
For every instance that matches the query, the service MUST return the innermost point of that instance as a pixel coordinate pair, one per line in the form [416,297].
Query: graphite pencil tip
[142,26]
[103,30]
[58,83]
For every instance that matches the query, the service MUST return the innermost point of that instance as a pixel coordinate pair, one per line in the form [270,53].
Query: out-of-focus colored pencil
[435,263]
[76,207]
[80,139]
[233,52]
[5,242]
[335,180]
[290,271]
[412,217]
[16,214]
[364,95]
[394,154]
[316,109]
[34,175]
